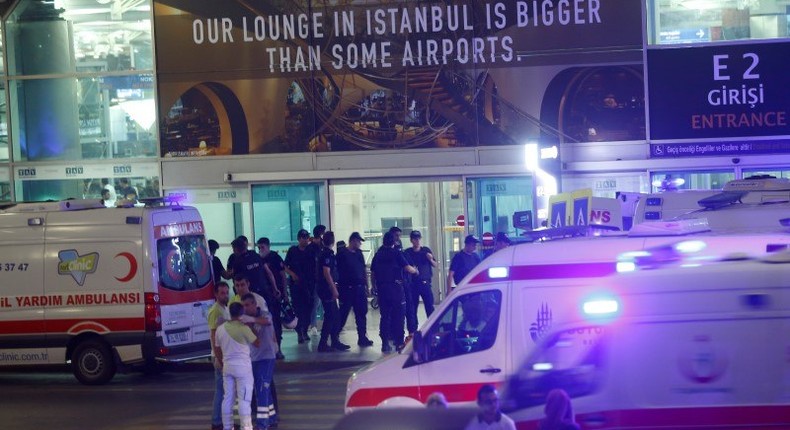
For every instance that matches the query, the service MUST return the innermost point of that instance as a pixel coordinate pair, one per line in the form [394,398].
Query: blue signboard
[686,35]
[719,92]
[580,210]
[696,149]
[558,213]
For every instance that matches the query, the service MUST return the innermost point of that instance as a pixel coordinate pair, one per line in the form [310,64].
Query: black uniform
[276,265]
[421,283]
[387,267]
[352,286]
[300,261]
[252,264]
[331,326]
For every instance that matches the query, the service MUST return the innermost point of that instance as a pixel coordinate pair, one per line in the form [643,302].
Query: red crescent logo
[132,266]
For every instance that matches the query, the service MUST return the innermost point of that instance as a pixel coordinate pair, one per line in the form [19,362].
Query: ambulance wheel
[92,362]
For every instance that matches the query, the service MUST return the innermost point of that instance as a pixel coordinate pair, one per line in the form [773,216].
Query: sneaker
[364,342]
[324,348]
[279,356]
[340,346]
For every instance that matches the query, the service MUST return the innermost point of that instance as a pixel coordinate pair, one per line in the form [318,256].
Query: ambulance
[681,347]
[518,293]
[102,288]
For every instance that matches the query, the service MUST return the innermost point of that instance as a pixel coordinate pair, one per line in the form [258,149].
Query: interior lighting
[143,112]
[531,156]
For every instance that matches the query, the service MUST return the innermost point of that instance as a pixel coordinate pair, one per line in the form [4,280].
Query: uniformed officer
[421,257]
[387,277]
[327,292]
[353,286]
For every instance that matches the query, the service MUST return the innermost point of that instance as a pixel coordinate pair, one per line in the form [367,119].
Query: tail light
[153,312]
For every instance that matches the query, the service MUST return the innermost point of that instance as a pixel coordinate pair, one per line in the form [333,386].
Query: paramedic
[262,357]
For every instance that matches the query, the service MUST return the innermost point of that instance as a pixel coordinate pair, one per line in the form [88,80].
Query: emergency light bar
[498,272]
[601,307]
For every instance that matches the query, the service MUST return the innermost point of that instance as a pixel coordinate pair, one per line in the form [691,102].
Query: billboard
[255,76]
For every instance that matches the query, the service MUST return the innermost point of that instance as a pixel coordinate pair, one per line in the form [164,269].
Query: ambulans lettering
[78,266]
[40,301]
[181,229]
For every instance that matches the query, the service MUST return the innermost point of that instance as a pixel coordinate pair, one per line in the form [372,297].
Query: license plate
[178,337]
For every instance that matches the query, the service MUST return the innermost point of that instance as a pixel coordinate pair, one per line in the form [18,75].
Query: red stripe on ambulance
[72,326]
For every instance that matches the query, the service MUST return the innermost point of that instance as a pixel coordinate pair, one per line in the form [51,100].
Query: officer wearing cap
[421,257]
[501,242]
[463,262]
[386,273]
[353,286]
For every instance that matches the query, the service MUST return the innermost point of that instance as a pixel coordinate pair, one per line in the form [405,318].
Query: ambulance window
[184,263]
[571,360]
[468,325]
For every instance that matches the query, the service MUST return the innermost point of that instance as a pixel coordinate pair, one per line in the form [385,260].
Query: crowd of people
[246,331]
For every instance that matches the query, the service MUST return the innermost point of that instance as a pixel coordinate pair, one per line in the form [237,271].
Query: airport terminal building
[448,117]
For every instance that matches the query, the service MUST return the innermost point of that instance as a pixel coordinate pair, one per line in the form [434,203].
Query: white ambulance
[682,347]
[518,293]
[102,287]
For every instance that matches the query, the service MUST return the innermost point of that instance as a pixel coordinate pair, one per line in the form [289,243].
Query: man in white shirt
[490,416]
[234,340]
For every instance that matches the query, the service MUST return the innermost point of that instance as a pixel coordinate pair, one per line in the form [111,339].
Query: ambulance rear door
[183,270]
[22,327]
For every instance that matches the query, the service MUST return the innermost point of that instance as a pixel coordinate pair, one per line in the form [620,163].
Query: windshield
[184,263]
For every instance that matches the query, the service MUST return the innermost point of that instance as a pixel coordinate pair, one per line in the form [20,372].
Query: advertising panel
[273,76]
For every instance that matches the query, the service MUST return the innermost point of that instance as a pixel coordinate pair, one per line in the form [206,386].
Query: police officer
[353,285]
[421,257]
[315,275]
[387,277]
[300,270]
[251,264]
[327,292]
[276,266]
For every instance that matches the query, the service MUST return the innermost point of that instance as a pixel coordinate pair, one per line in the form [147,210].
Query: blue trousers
[263,372]
[216,412]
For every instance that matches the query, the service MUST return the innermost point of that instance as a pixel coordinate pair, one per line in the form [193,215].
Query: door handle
[490,370]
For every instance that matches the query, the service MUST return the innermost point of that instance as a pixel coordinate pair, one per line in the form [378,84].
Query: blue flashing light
[498,272]
[601,307]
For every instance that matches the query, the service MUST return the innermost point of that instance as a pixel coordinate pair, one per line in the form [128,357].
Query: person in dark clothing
[396,232]
[353,286]
[277,267]
[313,249]
[229,265]
[387,277]
[327,292]
[251,264]
[301,269]
[421,257]
[463,262]
[216,263]
[559,412]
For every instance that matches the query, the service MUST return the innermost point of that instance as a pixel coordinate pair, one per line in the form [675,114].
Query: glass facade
[690,180]
[79,84]
[699,21]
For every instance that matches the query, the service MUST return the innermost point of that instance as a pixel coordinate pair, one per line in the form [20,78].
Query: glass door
[279,211]
[492,203]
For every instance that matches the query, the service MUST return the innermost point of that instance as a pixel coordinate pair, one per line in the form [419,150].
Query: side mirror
[418,347]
